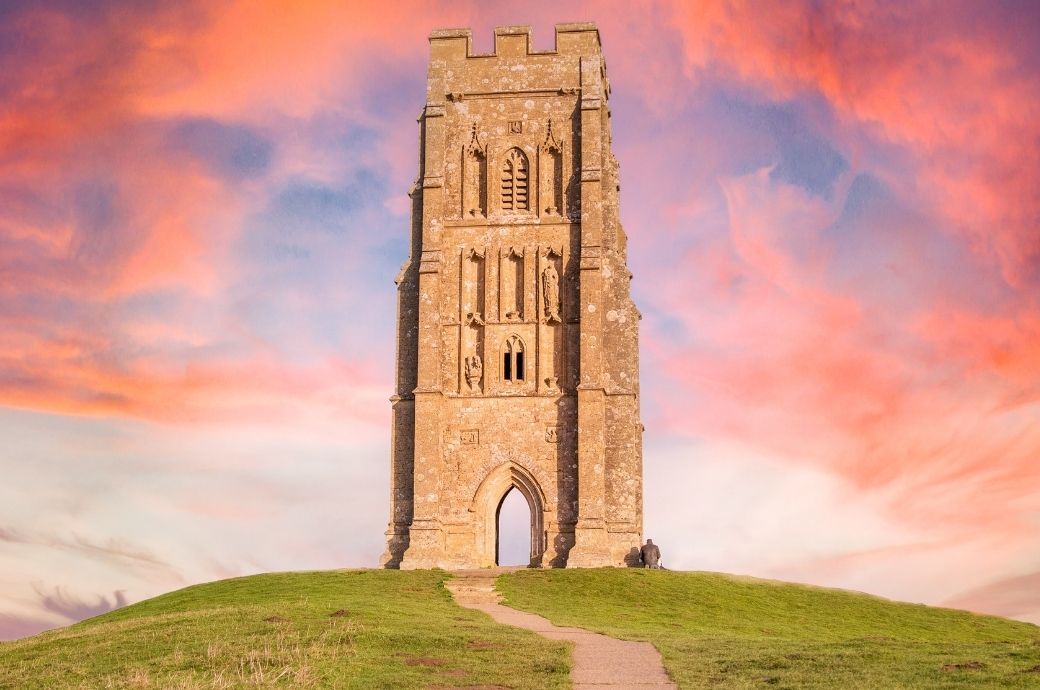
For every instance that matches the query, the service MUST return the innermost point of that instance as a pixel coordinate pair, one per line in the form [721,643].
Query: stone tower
[517,346]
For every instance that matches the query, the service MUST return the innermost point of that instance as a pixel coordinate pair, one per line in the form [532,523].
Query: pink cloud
[144,151]
[1014,597]
[956,91]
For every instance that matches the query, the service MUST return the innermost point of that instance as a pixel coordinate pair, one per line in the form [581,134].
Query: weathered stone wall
[517,337]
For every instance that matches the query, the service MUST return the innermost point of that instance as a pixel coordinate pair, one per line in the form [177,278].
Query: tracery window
[513,359]
[514,181]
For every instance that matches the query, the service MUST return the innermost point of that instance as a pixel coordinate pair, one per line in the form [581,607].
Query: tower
[517,345]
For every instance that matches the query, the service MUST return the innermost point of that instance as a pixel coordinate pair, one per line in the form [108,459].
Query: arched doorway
[488,501]
[513,530]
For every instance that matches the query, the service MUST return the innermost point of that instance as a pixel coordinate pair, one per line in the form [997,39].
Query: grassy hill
[721,631]
[388,629]
[342,629]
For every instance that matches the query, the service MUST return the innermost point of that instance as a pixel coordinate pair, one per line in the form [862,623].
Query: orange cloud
[113,192]
[957,92]
[139,145]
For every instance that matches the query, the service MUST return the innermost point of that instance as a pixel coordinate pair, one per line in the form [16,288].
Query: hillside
[722,631]
[376,629]
[343,629]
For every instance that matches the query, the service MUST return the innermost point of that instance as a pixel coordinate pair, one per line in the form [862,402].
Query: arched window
[514,181]
[513,359]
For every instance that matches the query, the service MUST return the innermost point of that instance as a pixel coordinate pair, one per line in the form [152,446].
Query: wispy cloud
[832,218]
[73,608]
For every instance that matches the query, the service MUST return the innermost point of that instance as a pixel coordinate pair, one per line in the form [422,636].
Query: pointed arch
[514,364]
[487,500]
[515,174]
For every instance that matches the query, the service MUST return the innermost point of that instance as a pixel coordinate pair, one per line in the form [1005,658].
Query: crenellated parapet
[574,39]
[513,68]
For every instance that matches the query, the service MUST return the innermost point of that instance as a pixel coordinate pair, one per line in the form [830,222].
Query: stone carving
[474,371]
[552,383]
[516,126]
[475,318]
[551,294]
[469,437]
[552,435]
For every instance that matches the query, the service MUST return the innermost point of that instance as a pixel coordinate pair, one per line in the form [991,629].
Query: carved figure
[474,371]
[650,554]
[551,293]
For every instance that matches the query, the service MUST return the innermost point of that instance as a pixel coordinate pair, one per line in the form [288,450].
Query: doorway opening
[513,530]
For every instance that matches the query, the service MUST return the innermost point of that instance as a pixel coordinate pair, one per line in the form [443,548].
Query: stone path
[599,661]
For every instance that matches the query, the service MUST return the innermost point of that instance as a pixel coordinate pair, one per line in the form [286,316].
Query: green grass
[400,630]
[721,631]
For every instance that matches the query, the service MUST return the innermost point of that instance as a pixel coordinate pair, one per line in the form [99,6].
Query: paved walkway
[599,661]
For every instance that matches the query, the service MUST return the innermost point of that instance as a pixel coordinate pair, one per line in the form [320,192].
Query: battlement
[574,39]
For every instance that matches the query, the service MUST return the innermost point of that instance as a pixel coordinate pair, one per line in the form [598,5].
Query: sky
[833,213]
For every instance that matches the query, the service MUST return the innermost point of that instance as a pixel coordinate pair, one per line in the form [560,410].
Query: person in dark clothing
[650,554]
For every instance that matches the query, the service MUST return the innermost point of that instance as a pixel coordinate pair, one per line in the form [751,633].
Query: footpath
[599,661]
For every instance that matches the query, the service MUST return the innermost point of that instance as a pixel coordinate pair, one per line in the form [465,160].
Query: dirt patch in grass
[276,619]
[481,645]
[340,613]
[966,666]
[424,661]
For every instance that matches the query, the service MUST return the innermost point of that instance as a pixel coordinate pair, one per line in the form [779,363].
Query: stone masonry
[517,346]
